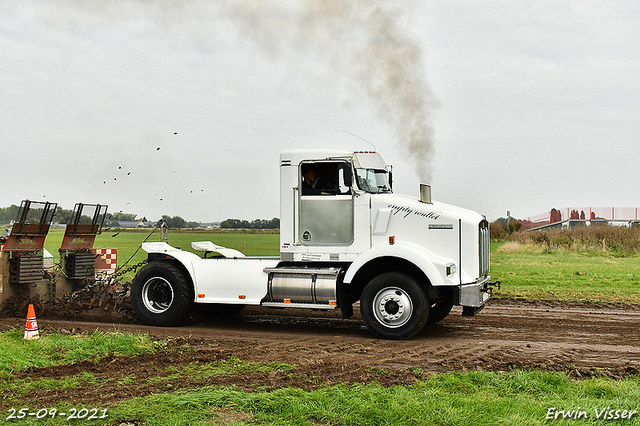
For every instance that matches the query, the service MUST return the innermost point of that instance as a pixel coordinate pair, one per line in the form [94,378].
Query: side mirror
[389,168]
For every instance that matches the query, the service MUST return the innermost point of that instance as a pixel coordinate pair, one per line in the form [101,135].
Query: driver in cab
[309,182]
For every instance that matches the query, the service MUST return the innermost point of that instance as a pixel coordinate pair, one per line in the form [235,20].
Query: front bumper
[475,295]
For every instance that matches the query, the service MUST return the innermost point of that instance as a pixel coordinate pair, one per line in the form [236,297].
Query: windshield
[373,180]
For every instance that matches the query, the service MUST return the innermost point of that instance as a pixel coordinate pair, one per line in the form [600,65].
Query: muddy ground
[583,340]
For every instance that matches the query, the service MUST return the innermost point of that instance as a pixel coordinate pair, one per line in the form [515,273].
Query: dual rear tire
[162,294]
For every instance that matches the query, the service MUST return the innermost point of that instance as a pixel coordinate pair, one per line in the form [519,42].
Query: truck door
[326,203]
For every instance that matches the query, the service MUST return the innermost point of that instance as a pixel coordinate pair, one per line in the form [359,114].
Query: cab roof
[361,159]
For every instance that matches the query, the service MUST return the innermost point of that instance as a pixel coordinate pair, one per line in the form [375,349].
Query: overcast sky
[182,107]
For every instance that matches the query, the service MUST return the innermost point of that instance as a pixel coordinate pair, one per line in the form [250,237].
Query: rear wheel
[161,294]
[394,306]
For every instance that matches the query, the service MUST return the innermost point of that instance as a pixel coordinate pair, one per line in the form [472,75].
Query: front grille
[484,240]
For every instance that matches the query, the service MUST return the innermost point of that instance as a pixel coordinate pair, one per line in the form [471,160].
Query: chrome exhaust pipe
[425,193]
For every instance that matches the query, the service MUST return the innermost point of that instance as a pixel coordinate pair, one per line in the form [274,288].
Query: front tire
[161,294]
[394,306]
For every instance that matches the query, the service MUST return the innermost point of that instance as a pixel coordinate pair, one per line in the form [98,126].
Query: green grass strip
[17,354]
[478,398]
[12,388]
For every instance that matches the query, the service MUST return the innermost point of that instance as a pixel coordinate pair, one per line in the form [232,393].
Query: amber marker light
[200,296]
[392,240]
[242,296]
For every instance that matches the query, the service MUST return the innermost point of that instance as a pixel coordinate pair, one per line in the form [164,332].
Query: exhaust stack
[425,193]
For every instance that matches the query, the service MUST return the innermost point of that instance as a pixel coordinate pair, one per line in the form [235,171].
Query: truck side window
[325,178]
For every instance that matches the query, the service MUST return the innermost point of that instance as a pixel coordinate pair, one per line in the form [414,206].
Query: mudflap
[344,300]
[471,311]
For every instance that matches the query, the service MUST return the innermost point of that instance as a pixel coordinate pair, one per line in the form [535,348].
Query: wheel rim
[392,307]
[157,295]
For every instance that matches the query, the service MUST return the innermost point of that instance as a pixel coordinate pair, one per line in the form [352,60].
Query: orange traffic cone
[32,325]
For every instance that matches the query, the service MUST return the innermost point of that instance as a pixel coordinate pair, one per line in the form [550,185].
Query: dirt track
[581,339]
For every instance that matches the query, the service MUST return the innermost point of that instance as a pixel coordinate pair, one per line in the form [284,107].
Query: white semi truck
[344,237]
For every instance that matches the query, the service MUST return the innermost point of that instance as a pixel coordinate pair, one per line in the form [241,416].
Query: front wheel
[161,294]
[394,306]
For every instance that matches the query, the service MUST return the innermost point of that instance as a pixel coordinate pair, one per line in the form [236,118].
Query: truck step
[304,271]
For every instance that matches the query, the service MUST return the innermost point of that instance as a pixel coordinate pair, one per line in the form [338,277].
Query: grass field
[533,272]
[17,354]
[127,242]
[476,398]
[520,398]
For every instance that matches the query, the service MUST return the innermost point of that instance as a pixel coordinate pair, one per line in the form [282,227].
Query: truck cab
[345,237]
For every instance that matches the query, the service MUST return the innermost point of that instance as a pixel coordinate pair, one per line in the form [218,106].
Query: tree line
[8,214]
[254,224]
[176,222]
[64,216]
